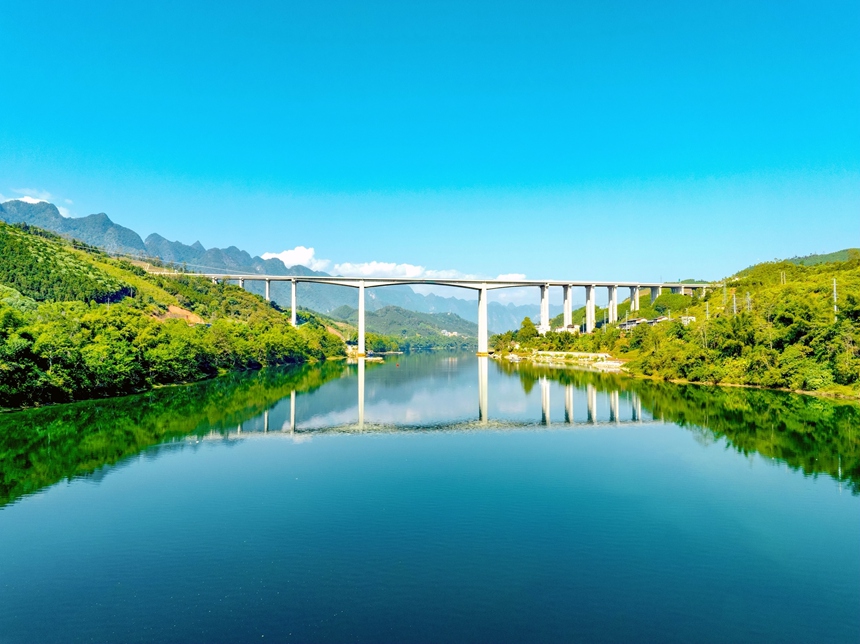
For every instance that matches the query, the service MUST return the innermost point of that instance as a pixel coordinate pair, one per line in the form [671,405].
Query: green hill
[36,265]
[771,325]
[408,330]
[395,321]
[76,324]
[838,256]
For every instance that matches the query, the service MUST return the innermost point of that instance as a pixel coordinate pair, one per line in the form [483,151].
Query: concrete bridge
[482,287]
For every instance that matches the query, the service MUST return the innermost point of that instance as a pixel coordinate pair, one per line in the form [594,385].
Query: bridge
[482,287]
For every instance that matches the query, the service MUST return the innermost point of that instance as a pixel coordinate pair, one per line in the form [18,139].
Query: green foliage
[528,330]
[60,350]
[838,256]
[43,267]
[392,328]
[789,338]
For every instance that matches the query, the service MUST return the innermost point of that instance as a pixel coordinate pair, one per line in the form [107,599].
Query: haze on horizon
[550,139]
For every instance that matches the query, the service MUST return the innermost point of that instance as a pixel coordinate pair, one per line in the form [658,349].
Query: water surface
[432,498]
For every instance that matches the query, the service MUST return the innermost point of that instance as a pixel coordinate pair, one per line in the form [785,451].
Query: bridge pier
[568,306]
[361,393]
[483,340]
[293,317]
[483,388]
[613,304]
[678,290]
[361,352]
[655,293]
[293,411]
[636,404]
[544,309]
[613,407]
[544,400]
[589,308]
[241,283]
[568,404]
[591,400]
[634,298]
[268,291]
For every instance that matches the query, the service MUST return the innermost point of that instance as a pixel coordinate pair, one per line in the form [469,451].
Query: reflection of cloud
[299,256]
[509,406]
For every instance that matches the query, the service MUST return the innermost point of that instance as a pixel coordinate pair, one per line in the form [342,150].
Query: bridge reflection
[39,447]
[440,407]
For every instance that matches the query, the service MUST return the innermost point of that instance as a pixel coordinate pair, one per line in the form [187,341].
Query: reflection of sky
[428,390]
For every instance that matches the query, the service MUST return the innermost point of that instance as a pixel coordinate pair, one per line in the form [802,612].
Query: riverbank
[606,363]
[603,362]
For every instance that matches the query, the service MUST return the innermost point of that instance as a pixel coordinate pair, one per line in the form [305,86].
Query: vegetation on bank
[772,325]
[75,324]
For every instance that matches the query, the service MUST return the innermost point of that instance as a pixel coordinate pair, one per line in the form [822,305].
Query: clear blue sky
[592,139]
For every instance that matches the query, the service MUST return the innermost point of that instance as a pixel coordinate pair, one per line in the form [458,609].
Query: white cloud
[300,255]
[307,257]
[65,212]
[26,199]
[69,201]
[32,193]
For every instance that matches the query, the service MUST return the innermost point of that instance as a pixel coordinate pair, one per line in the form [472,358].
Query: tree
[527,330]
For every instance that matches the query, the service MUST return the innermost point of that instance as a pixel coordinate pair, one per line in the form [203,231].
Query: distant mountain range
[99,230]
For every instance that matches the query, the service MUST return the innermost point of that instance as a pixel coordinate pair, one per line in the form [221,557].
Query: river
[433,497]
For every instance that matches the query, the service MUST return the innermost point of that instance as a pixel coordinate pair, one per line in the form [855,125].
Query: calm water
[432,498]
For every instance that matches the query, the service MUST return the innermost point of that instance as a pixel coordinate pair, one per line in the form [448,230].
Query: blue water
[436,520]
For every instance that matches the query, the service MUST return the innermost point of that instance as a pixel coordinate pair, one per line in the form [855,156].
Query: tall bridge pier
[482,287]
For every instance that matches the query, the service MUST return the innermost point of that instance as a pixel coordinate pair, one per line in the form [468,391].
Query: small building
[630,324]
[686,319]
[657,320]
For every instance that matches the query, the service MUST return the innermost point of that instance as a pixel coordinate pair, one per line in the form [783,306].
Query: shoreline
[590,361]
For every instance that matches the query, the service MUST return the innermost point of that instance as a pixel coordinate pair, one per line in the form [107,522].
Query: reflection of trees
[42,446]
[814,435]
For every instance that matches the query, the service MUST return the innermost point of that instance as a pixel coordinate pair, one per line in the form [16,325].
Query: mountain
[99,230]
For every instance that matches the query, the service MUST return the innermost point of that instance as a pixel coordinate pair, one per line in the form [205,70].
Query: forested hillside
[36,263]
[76,324]
[392,328]
[772,325]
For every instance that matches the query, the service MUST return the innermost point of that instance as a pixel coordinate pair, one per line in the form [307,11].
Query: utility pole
[734,303]
[749,302]
[835,310]
[707,311]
